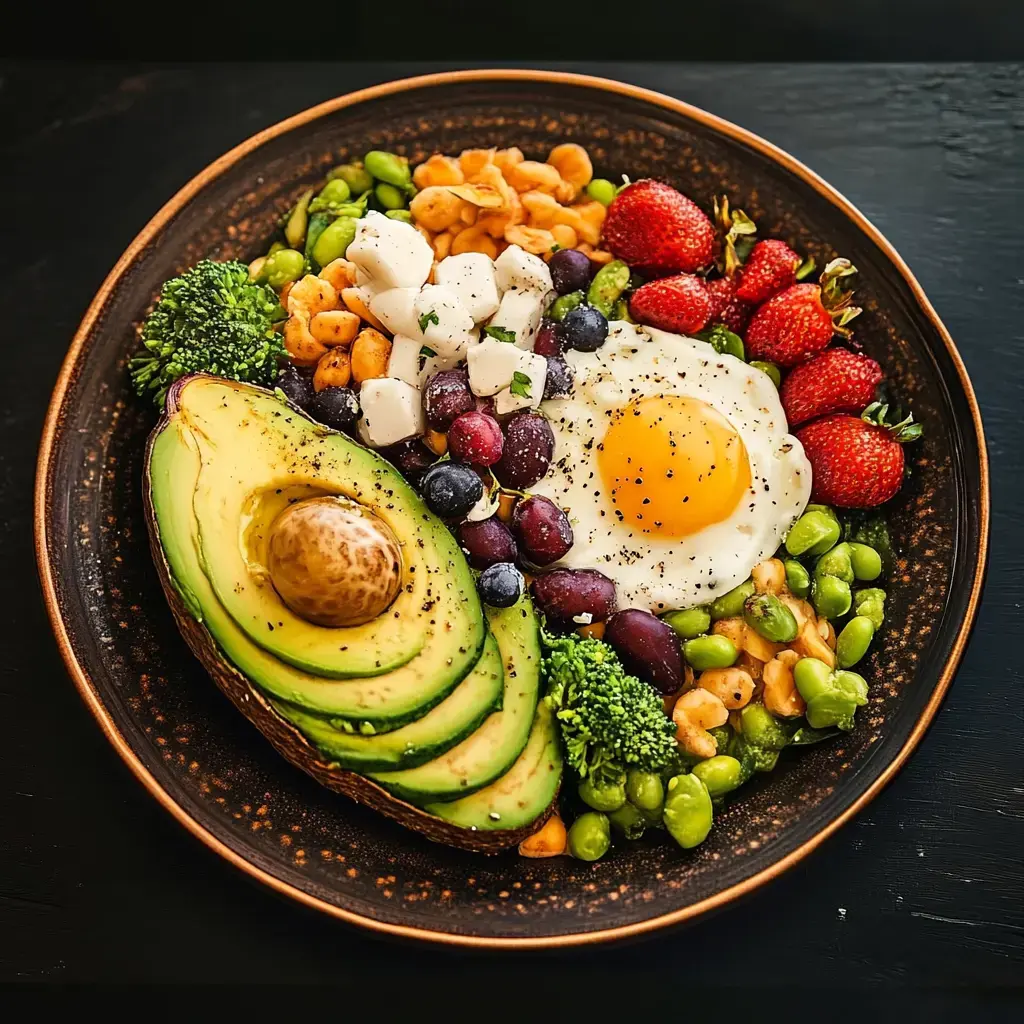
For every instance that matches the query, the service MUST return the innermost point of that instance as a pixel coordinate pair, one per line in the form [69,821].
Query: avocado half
[498,813]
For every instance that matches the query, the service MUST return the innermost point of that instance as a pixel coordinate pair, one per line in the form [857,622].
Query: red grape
[542,529]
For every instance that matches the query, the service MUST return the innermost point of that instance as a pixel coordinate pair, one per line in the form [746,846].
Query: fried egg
[675,466]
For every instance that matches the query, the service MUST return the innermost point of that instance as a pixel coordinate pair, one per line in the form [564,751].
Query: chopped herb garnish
[427,351]
[520,386]
[429,318]
[500,334]
[555,247]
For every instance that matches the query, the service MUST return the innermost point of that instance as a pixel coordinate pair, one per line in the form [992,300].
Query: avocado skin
[285,739]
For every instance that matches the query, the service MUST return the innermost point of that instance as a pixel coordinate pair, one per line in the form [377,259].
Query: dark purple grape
[487,542]
[501,585]
[559,380]
[570,271]
[648,647]
[447,396]
[584,329]
[451,489]
[297,384]
[411,458]
[476,438]
[565,594]
[542,530]
[529,447]
[546,342]
[337,408]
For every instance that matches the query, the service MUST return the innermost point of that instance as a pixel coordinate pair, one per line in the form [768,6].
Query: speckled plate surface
[220,778]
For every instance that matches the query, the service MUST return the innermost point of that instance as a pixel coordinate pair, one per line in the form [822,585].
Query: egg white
[661,573]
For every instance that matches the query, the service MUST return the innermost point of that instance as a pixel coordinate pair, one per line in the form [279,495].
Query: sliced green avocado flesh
[254,450]
[491,750]
[522,794]
[418,742]
[387,702]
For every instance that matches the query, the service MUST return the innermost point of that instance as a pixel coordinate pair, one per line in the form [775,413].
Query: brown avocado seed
[333,562]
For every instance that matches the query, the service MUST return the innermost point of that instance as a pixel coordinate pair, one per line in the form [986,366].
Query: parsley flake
[427,351]
[429,318]
[500,334]
[520,386]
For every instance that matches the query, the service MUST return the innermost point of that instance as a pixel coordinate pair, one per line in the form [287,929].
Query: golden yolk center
[672,466]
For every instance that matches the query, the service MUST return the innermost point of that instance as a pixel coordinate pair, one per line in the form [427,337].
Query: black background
[924,888]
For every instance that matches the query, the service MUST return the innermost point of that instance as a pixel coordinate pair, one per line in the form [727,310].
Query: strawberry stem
[736,227]
[835,298]
[806,268]
[902,431]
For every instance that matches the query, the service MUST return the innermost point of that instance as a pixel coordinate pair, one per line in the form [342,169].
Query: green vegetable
[814,531]
[769,368]
[688,813]
[805,736]
[334,194]
[766,614]
[520,386]
[629,821]
[334,240]
[723,341]
[403,215]
[283,266]
[295,225]
[645,790]
[871,603]
[563,304]
[830,596]
[866,561]
[853,642]
[751,757]
[836,562]
[389,197]
[607,286]
[620,311]
[432,318]
[275,247]
[762,729]
[389,168]
[689,622]
[832,697]
[870,528]
[602,190]
[498,333]
[211,319]
[798,579]
[722,734]
[720,774]
[730,605]
[704,652]
[318,224]
[355,176]
[605,794]
[609,720]
[589,836]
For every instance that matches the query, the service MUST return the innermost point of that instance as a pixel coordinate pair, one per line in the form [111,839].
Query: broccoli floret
[212,319]
[610,721]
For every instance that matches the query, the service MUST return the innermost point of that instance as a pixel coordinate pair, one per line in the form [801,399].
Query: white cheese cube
[435,364]
[519,270]
[393,254]
[404,362]
[392,411]
[520,313]
[527,386]
[447,326]
[491,366]
[471,277]
[394,309]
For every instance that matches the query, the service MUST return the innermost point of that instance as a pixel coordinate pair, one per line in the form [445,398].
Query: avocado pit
[333,562]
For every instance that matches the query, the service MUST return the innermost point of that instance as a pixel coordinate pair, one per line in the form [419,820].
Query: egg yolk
[672,466]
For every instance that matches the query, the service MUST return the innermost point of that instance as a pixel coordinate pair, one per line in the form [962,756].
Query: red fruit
[657,230]
[475,437]
[726,309]
[681,304]
[857,462]
[800,321]
[838,380]
[770,267]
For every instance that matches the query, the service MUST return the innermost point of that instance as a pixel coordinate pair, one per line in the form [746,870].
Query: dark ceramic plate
[221,779]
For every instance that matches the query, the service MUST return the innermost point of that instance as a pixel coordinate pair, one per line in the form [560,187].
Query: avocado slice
[491,750]
[420,741]
[385,701]
[521,796]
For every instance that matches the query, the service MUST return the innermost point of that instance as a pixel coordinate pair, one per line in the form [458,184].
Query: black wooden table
[926,887]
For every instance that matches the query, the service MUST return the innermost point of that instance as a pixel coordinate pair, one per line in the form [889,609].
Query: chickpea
[506,158]
[474,239]
[694,713]
[732,686]
[370,354]
[573,163]
[550,841]
[438,170]
[531,174]
[809,644]
[354,299]
[340,273]
[535,240]
[334,327]
[300,345]
[769,576]
[435,208]
[312,294]
[334,370]
[565,237]
[472,160]
[781,696]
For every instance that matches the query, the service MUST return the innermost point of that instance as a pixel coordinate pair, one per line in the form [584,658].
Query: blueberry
[336,408]
[559,379]
[501,585]
[451,489]
[411,458]
[570,271]
[297,384]
[584,329]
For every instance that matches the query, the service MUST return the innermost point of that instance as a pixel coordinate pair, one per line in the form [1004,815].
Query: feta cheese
[448,327]
[435,364]
[491,365]
[485,507]
[519,270]
[392,411]
[394,309]
[527,386]
[393,254]
[471,277]
[520,312]
[404,362]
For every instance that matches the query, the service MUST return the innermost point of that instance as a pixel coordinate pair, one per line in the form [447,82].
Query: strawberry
[681,304]
[857,462]
[657,230]
[726,309]
[770,267]
[800,321]
[838,380]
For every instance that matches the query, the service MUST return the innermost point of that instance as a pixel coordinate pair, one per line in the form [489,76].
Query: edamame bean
[620,311]
[603,796]
[335,191]
[608,284]
[866,561]
[770,369]
[720,774]
[629,821]
[798,579]
[689,622]
[602,190]
[275,247]
[871,603]
[589,836]
[645,790]
[831,596]
[388,167]
[563,304]
[713,651]
[812,677]
[403,215]
[836,562]
[358,179]
[722,340]
[688,813]
[853,642]
[766,614]
[722,735]
[832,698]
[298,221]
[826,510]
[334,240]
[730,605]
[762,729]
[812,530]
[389,196]
[284,266]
